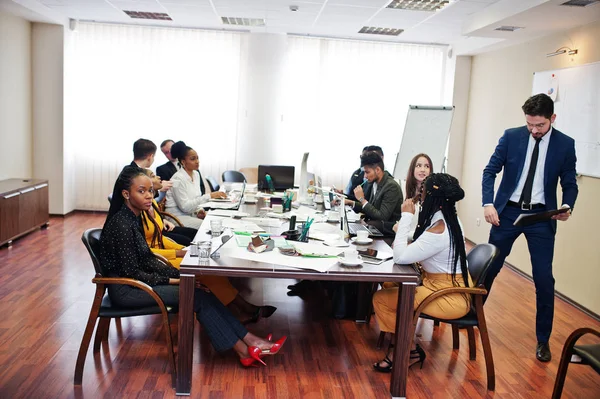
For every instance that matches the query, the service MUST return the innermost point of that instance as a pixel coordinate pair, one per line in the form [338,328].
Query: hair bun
[445,186]
[178,149]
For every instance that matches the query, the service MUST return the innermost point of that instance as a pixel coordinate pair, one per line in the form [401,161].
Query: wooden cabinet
[23,207]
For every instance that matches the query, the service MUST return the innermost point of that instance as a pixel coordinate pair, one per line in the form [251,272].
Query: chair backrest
[479,260]
[233,176]
[251,174]
[212,183]
[109,198]
[91,240]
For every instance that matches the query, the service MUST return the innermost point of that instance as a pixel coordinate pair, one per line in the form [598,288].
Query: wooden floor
[45,298]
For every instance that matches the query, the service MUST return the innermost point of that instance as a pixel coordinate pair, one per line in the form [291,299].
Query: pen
[363,183]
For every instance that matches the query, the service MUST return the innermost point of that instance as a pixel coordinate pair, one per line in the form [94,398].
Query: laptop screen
[282,177]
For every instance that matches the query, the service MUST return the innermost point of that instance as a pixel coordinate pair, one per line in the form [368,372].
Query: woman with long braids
[439,247]
[221,287]
[185,198]
[125,253]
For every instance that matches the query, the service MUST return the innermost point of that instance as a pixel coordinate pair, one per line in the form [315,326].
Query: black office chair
[109,198]
[213,184]
[589,354]
[103,309]
[233,176]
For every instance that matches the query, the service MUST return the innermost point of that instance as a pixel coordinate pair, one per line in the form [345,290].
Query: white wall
[15,97]
[460,100]
[501,81]
[259,117]
[47,67]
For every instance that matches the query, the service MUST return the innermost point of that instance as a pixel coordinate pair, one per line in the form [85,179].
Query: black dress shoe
[542,352]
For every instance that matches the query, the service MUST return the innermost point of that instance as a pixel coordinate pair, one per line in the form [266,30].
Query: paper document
[227,213]
[232,249]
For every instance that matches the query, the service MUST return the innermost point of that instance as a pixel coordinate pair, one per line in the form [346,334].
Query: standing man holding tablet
[533,158]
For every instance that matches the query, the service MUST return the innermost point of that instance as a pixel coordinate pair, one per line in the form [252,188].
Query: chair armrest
[446,291]
[162,259]
[134,283]
[580,332]
[171,217]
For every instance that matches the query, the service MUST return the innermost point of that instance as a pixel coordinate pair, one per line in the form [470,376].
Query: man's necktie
[527,188]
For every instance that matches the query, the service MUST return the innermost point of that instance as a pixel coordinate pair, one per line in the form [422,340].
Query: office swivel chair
[233,176]
[212,184]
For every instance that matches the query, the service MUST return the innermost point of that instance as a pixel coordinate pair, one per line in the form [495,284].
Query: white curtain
[343,95]
[129,82]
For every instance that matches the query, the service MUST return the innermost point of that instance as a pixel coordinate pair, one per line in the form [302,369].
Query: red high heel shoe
[256,353]
[248,362]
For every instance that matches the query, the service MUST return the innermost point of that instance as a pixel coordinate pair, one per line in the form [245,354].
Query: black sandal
[384,369]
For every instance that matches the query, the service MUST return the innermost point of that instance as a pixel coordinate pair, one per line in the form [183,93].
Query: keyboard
[353,228]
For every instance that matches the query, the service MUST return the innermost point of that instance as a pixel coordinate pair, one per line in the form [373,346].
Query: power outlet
[478,221]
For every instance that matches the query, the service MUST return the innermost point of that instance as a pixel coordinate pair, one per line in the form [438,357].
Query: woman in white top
[420,167]
[185,199]
[440,249]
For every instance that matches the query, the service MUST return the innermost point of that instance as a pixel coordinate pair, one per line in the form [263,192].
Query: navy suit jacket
[510,154]
[166,171]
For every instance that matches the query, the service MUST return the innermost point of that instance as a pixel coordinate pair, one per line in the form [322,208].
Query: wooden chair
[251,174]
[479,259]
[213,184]
[233,176]
[103,309]
[166,215]
[589,354]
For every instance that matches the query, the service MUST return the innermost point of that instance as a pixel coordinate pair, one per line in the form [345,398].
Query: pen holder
[287,203]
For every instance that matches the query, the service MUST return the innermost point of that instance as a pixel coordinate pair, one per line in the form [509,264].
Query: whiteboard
[577,109]
[426,131]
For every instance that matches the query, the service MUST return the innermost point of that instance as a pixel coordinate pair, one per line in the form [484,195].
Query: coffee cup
[351,255]
[362,236]
[333,216]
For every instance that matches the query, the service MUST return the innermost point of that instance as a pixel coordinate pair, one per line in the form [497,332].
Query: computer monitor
[282,177]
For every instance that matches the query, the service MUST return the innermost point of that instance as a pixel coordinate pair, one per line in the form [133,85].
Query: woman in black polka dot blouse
[125,253]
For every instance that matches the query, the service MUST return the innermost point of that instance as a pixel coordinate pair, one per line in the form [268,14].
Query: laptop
[355,227]
[227,204]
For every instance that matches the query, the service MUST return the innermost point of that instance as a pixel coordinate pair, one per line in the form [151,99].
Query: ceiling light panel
[419,5]
[161,16]
[371,30]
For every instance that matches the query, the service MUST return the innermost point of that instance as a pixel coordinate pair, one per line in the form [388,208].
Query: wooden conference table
[405,276]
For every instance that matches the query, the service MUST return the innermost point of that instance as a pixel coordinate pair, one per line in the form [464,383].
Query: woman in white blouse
[440,249]
[185,199]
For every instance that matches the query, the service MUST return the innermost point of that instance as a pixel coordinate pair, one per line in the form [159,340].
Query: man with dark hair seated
[382,198]
[143,153]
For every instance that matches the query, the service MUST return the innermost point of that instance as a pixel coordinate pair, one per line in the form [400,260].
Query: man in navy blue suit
[533,157]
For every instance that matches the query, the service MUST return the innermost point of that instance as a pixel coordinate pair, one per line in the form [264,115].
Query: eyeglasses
[537,125]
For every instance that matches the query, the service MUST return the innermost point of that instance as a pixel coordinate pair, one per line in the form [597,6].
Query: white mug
[362,236]
[351,255]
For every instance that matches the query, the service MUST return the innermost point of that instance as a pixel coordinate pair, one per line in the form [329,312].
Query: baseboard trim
[74,211]
[561,296]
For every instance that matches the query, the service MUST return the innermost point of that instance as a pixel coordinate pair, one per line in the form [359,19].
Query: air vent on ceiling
[371,30]
[418,5]
[580,3]
[243,21]
[148,15]
[508,28]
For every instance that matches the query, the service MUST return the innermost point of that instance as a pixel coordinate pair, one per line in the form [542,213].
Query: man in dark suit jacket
[168,169]
[533,157]
[382,199]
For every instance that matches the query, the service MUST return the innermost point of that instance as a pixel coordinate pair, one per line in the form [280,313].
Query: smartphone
[373,256]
